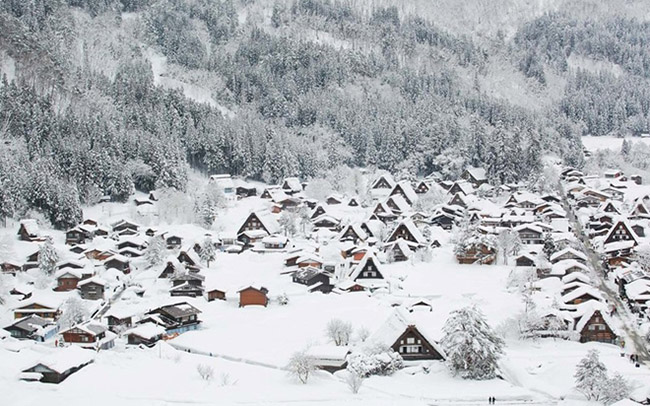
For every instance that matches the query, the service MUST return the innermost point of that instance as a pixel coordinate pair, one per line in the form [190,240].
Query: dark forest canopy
[386,90]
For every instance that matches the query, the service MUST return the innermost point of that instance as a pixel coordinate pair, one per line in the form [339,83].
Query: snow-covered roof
[328,353]
[576,276]
[399,201]
[292,184]
[571,251]
[561,267]
[356,270]
[397,323]
[583,290]
[408,190]
[63,360]
[477,173]
[30,226]
[95,279]
[148,331]
[411,227]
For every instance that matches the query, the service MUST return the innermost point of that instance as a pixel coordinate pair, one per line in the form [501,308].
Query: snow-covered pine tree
[155,252]
[591,375]
[47,257]
[549,246]
[208,251]
[472,348]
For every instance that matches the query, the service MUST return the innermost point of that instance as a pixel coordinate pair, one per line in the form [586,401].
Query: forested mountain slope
[103,96]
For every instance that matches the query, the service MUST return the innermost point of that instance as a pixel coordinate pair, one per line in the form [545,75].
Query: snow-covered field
[608,142]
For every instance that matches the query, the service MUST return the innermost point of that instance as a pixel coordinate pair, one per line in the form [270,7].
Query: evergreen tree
[472,348]
[549,245]
[208,251]
[591,375]
[155,251]
[47,257]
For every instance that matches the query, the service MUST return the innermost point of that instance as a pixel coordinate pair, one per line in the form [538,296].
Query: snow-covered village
[324,202]
[423,291]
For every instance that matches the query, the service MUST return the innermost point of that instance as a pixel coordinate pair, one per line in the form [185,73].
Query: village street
[639,346]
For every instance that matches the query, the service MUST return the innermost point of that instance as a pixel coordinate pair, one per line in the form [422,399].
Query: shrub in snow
[301,366]
[206,372]
[155,251]
[593,382]
[339,331]
[375,361]
[472,348]
[47,257]
[226,380]
[354,381]
[363,333]
[283,299]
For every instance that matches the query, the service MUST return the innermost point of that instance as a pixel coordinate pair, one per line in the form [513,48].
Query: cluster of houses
[613,210]
[390,224]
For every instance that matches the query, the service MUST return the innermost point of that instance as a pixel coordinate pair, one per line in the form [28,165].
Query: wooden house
[594,324]
[10,267]
[91,289]
[59,365]
[33,327]
[581,295]
[188,284]
[405,190]
[175,318]
[145,334]
[317,212]
[89,335]
[173,241]
[407,231]
[39,308]
[475,176]
[253,295]
[477,252]
[409,339]
[621,231]
[353,202]
[525,260]
[463,187]
[124,227]
[29,231]
[309,276]
[119,262]
[333,200]
[330,358]
[118,321]
[260,221]
[384,181]
[568,254]
[368,268]
[67,279]
[78,235]
[216,294]
[422,188]
[530,234]
[291,186]
[354,233]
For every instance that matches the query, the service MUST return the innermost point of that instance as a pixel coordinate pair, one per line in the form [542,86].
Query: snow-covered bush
[283,299]
[374,361]
[339,331]
[206,372]
[472,348]
[363,333]
[301,366]
[354,381]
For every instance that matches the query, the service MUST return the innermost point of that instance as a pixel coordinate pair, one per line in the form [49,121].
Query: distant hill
[104,96]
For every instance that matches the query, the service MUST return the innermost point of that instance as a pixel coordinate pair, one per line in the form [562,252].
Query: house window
[410,340]
[411,349]
[84,339]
